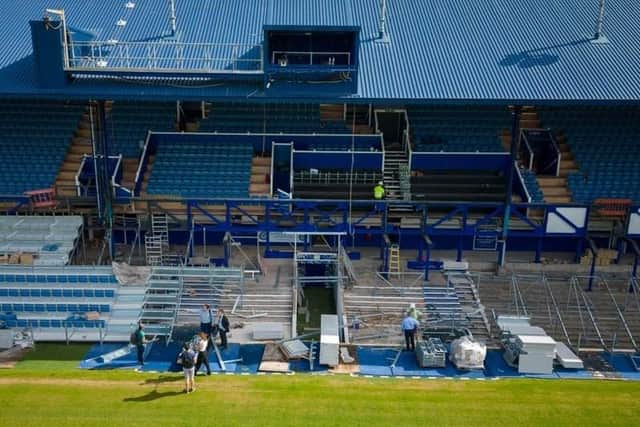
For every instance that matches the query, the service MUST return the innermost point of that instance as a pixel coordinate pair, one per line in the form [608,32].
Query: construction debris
[294,349]
[252,316]
[345,356]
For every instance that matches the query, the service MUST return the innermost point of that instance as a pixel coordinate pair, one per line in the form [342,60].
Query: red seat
[45,198]
[612,208]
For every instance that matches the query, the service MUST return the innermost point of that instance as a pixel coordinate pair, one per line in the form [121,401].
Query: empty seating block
[457,129]
[51,239]
[269,118]
[335,185]
[458,186]
[43,298]
[34,139]
[131,121]
[604,173]
[202,169]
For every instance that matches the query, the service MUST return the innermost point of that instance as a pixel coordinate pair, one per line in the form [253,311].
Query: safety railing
[165,57]
[602,281]
[286,58]
[584,307]
[142,166]
[518,300]
[526,152]
[556,308]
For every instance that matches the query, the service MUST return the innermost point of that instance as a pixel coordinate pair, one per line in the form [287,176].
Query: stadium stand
[34,136]
[268,118]
[76,298]
[462,185]
[130,122]
[51,240]
[457,129]
[202,169]
[335,184]
[602,173]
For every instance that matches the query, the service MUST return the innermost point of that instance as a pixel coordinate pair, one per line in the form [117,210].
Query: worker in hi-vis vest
[378,191]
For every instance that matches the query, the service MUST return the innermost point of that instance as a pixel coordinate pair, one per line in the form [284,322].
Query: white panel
[634,224]
[558,225]
[329,340]
[577,216]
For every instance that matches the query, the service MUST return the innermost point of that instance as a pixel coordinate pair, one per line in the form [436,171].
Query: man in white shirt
[202,357]
[206,319]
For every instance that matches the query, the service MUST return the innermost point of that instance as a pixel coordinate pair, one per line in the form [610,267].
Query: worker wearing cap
[378,191]
[412,311]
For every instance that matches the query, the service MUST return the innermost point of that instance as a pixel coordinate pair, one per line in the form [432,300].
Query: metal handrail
[579,293]
[163,57]
[559,153]
[78,192]
[523,137]
[554,303]
[518,299]
[524,185]
[619,312]
[144,159]
[310,54]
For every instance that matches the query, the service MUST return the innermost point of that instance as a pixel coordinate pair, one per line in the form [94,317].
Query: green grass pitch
[47,390]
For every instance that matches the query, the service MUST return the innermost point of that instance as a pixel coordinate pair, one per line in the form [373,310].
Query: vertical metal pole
[382,25]
[515,148]
[592,272]
[600,21]
[172,17]
[427,262]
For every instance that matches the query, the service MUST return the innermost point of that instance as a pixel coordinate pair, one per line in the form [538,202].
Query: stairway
[125,313]
[393,160]
[65,182]
[129,170]
[205,286]
[554,189]
[260,184]
[160,305]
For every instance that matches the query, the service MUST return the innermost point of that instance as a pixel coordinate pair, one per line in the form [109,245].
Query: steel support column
[100,146]
[515,148]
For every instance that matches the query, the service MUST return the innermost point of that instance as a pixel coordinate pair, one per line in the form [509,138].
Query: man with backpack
[137,339]
[187,359]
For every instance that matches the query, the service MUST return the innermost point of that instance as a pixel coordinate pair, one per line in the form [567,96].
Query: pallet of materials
[431,353]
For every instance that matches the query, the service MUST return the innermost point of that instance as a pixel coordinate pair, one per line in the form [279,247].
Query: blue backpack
[186,357]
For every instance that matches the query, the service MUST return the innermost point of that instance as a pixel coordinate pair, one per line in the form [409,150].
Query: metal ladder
[153,250]
[160,228]
[394,259]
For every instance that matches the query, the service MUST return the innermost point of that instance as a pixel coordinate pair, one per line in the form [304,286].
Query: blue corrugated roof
[439,50]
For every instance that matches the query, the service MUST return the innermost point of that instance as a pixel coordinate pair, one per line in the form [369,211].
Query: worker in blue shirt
[410,327]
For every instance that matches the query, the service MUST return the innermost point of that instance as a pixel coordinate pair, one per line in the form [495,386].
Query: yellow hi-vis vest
[378,192]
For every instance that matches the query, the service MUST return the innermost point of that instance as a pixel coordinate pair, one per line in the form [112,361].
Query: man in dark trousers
[206,319]
[137,339]
[223,327]
[410,327]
